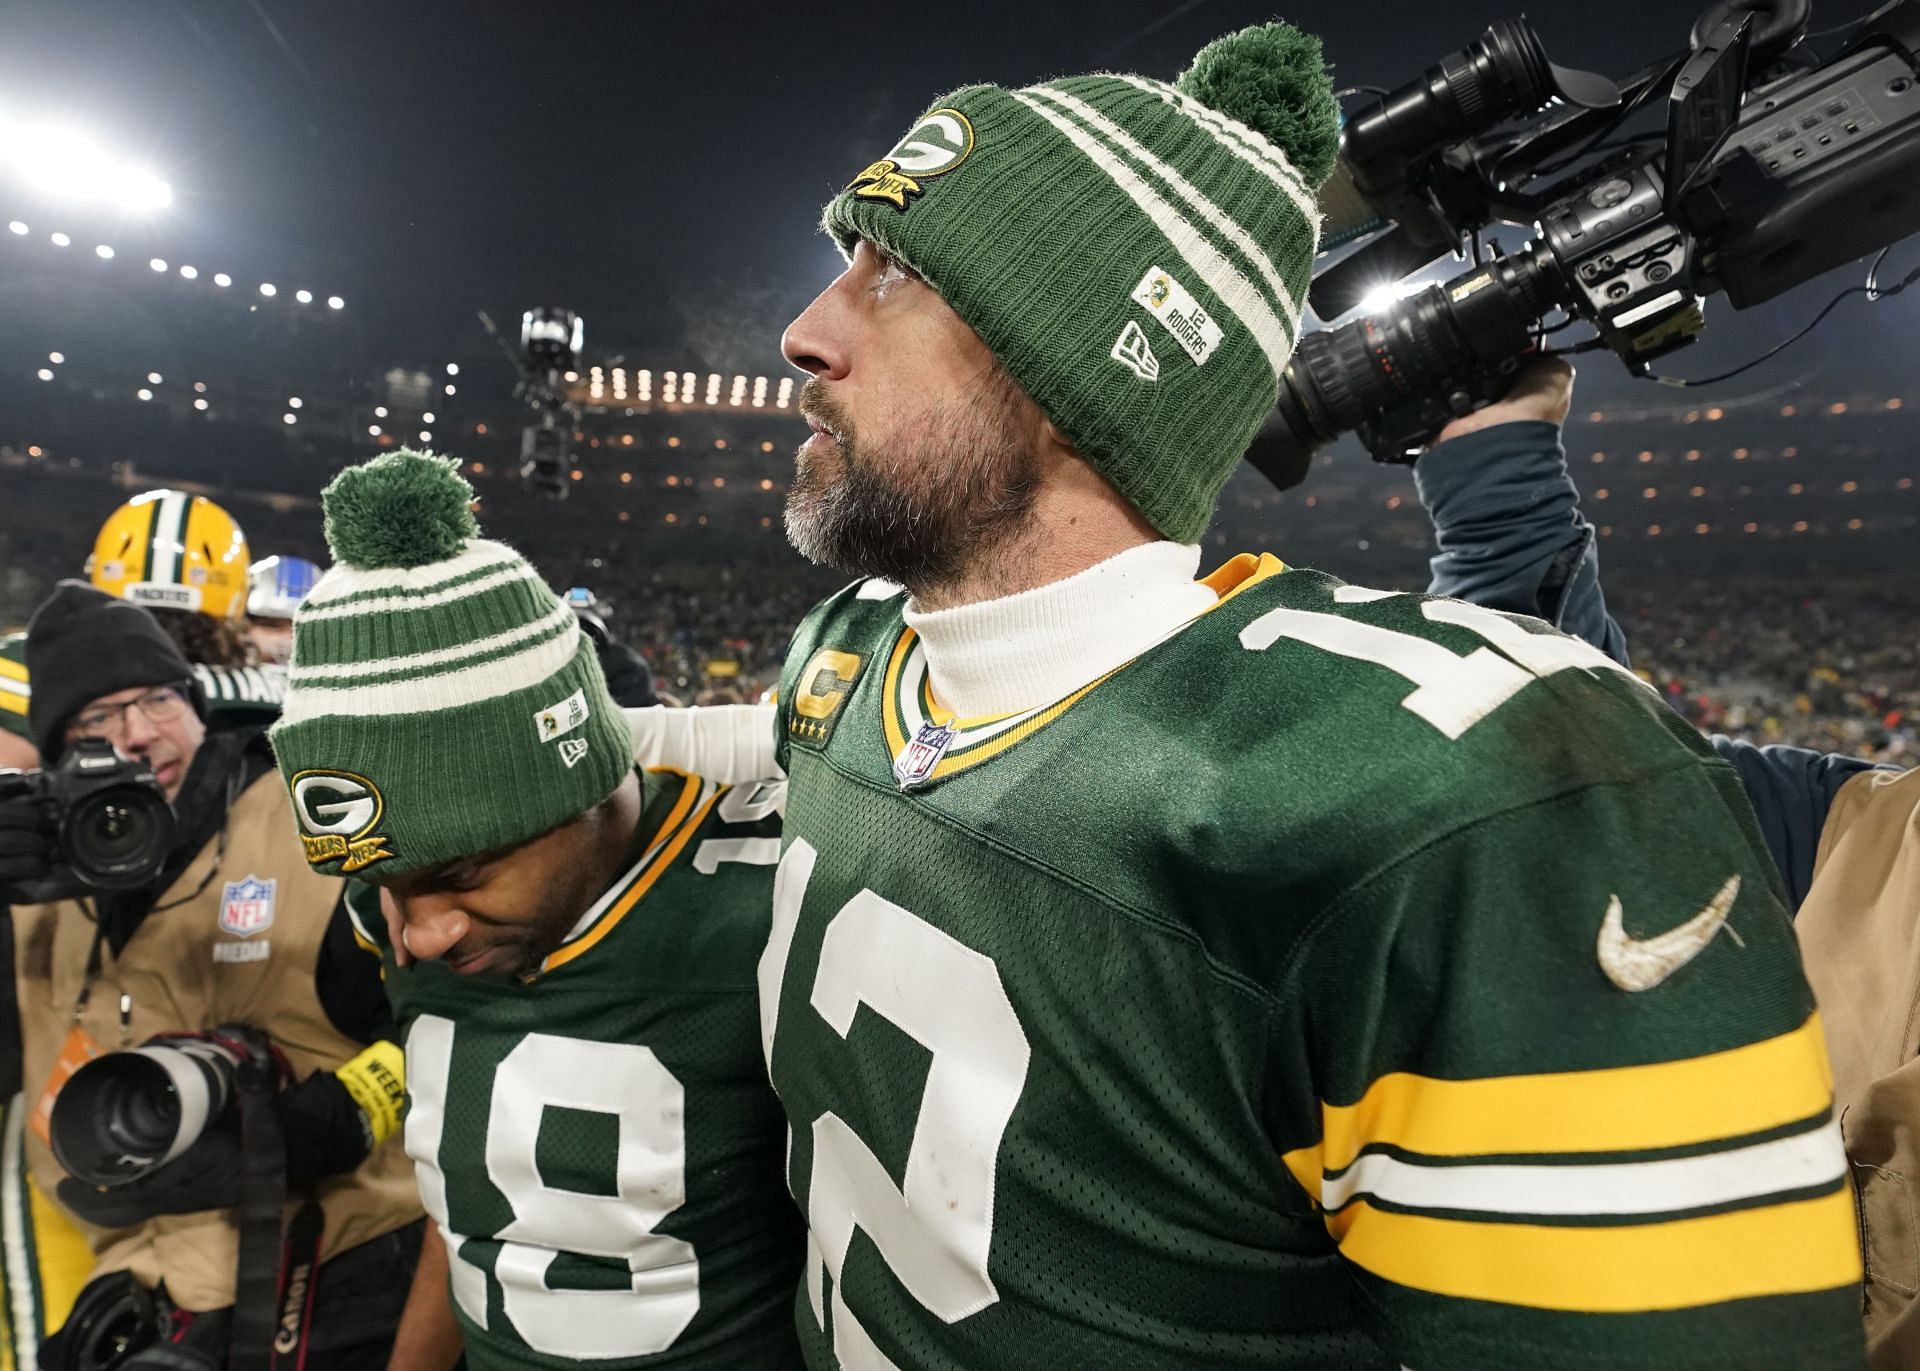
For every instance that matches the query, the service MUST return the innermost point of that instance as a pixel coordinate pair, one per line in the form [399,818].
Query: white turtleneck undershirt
[1022,651]
[995,657]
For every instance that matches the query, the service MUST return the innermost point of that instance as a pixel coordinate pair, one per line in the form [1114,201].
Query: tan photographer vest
[243,950]
[1860,936]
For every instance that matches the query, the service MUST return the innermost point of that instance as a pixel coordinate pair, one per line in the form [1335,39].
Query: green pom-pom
[404,509]
[1274,79]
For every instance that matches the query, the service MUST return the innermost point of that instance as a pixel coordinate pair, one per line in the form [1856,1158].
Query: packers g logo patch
[825,683]
[941,141]
[338,812]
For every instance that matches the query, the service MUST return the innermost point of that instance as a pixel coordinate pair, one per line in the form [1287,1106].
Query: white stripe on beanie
[342,580]
[434,692]
[393,604]
[302,676]
[1235,292]
[1240,140]
[1192,194]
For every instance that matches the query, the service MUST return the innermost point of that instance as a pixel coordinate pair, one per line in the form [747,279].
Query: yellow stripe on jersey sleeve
[1730,1094]
[12,670]
[1783,1249]
[13,704]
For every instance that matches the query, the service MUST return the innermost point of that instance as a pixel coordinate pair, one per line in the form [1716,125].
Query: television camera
[1774,165]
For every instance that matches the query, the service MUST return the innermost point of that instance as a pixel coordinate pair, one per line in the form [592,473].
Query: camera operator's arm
[428,1338]
[1507,516]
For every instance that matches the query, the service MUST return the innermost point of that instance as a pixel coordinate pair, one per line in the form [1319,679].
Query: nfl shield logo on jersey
[246,907]
[922,755]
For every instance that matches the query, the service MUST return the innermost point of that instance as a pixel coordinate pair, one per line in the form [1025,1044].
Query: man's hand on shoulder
[1542,390]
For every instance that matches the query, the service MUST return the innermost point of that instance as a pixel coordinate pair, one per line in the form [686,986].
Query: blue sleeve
[1507,520]
[1792,788]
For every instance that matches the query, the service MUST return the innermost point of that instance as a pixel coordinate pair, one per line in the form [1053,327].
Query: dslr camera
[112,827]
[1774,164]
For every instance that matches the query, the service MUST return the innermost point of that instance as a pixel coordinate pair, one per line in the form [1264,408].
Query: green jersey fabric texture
[599,1143]
[237,697]
[1256,1007]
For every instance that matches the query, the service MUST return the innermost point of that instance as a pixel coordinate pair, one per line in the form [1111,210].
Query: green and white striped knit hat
[1136,254]
[442,701]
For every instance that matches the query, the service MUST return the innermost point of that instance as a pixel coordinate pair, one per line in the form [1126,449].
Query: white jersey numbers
[1453,693]
[646,1107]
[935,1230]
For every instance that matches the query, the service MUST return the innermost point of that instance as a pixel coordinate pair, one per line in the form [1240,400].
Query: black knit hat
[83,643]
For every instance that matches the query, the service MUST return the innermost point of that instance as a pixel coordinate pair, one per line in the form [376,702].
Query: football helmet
[171,550]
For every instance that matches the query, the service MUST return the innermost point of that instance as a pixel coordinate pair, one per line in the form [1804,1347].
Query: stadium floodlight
[143,394]
[335,302]
[56,357]
[449,390]
[200,387]
[379,411]
[153,378]
[221,279]
[427,418]
[268,289]
[64,163]
[189,273]
[453,368]
[305,297]
[45,373]
[374,429]
[201,403]
[426,435]
[103,252]
[158,263]
[18,229]
[294,402]
[289,419]
[60,240]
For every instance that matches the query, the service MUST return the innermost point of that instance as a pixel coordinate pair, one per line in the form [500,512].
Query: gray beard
[921,536]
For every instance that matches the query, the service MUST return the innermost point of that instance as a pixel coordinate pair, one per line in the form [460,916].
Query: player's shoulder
[1419,693]
[854,621]
[253,690]
[13,648]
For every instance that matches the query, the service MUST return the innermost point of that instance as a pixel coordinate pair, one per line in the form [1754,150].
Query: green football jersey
[598,1143]
[237,697]
[1351,980]
[15,692]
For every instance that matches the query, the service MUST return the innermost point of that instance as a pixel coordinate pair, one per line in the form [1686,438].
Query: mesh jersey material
[1248,1009]
[606,1127]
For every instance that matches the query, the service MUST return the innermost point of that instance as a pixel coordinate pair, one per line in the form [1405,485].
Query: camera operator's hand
[205,1176]
[26,839]
[1542,390]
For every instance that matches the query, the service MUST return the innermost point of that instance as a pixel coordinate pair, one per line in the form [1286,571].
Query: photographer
[1841,831]
[235,946]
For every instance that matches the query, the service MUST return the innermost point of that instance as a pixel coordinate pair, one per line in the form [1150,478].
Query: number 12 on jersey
[934,1231]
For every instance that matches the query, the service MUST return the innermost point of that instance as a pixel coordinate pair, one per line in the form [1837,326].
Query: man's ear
[1055,445]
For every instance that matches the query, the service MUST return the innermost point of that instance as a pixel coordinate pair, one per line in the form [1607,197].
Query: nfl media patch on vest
[246,907]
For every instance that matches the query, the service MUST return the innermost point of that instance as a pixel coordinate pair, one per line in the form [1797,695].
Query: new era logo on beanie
[419,661]
[1071,222]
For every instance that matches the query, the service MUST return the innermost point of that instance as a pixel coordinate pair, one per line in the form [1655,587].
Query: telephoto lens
[128,1113]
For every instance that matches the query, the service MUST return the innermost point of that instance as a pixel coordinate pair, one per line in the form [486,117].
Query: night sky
[658,167]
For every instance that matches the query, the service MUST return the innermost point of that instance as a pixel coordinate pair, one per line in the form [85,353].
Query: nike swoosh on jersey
[1642,963]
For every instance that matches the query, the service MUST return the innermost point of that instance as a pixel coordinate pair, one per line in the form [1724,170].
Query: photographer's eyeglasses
[161,705]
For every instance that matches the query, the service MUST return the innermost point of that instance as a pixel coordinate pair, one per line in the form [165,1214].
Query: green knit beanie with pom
[442,701]
[1136,254]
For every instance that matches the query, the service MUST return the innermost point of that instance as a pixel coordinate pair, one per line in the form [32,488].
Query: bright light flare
[64,163]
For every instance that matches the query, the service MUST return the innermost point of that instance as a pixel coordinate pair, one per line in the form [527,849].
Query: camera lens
[126,1113]
[117,837]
